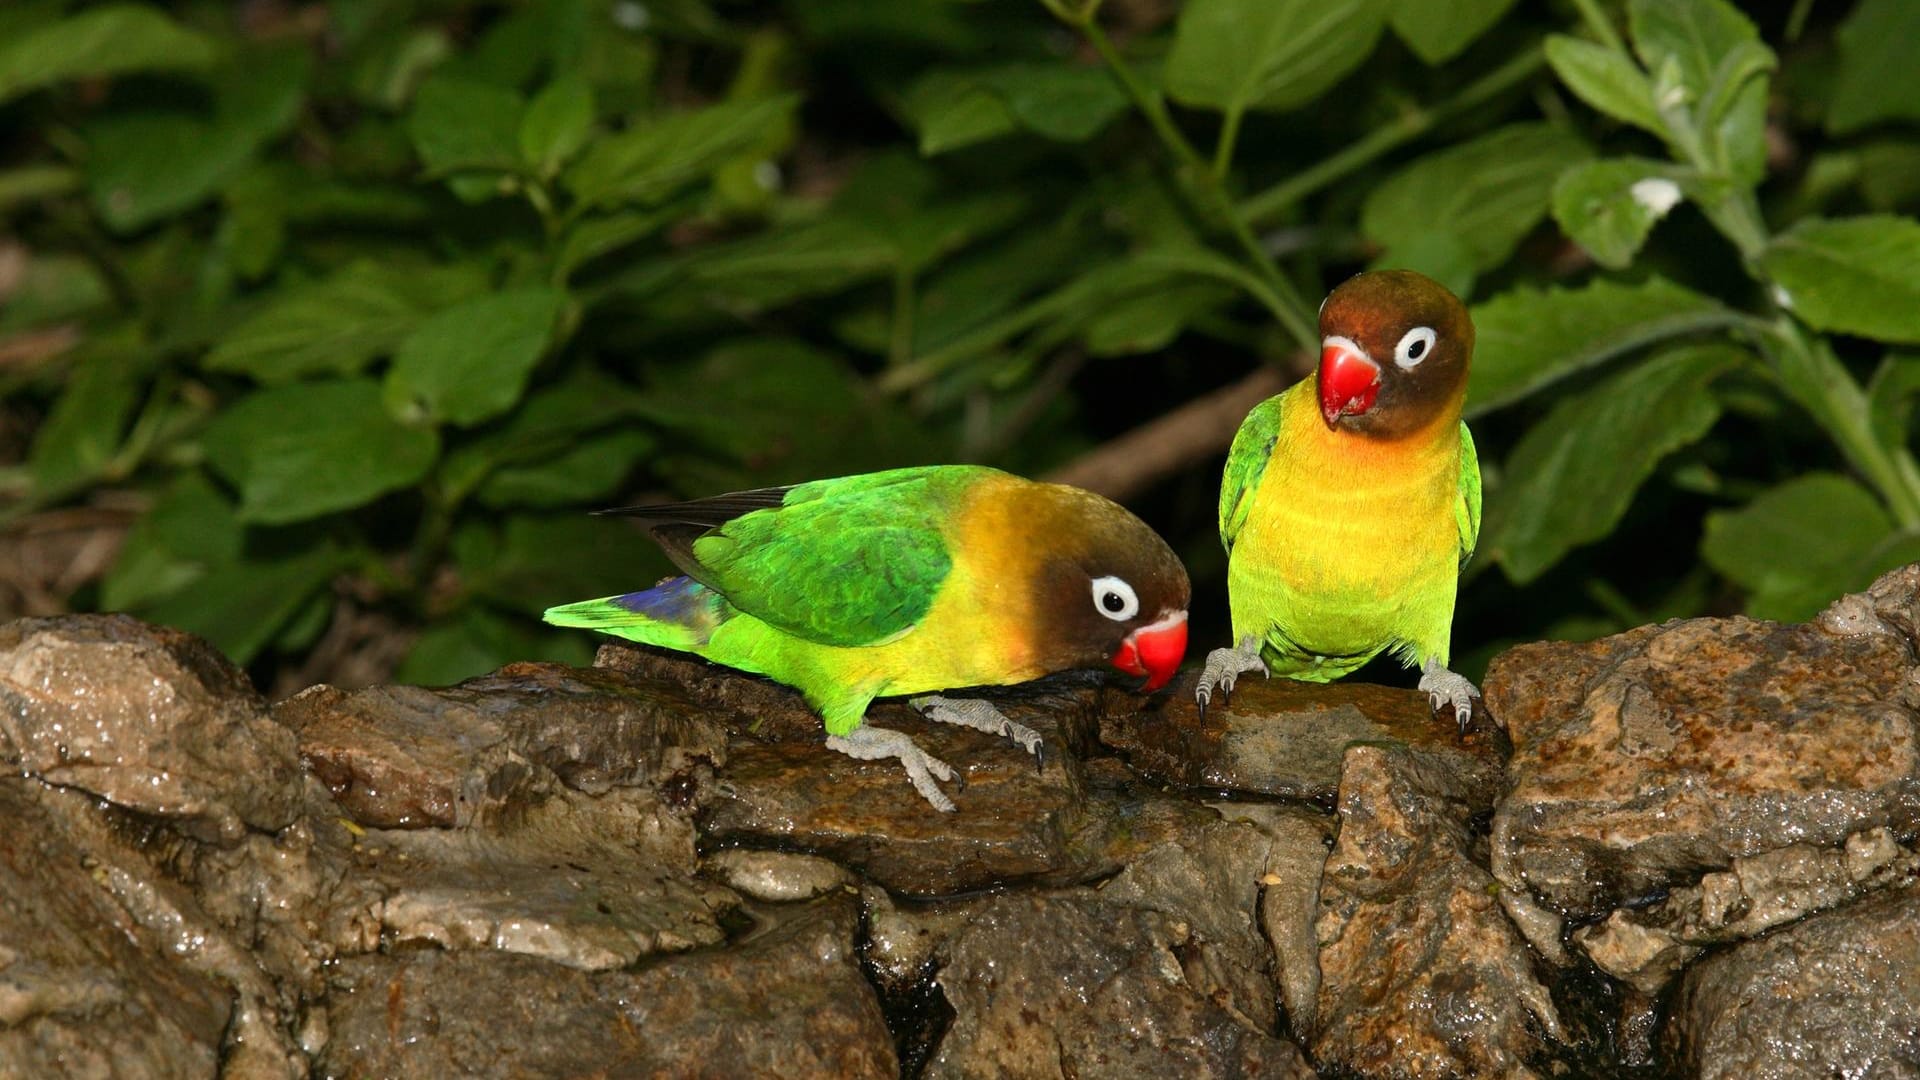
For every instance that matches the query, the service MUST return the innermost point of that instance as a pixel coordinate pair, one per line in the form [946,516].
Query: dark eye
[1413,346]
[1115,598]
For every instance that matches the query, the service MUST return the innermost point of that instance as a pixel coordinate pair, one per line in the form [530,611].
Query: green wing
[851,561]
[1466,511]
[1252,449]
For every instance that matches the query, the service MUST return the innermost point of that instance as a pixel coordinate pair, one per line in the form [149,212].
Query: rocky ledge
[1691,850]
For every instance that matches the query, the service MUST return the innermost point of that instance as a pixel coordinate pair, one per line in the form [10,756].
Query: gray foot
[981,716]
[872,744]
[1449,690]
[1224,667]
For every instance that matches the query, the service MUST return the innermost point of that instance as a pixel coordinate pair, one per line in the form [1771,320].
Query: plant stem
[1601,26]
[1814,377]
[1292,311]
[1382,140]
[1223,149]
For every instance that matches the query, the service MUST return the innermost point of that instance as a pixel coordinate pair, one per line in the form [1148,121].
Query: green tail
[679,613]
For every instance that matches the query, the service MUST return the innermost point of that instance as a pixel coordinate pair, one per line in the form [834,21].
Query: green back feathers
[849,561]
[1466,511]
[1252,449]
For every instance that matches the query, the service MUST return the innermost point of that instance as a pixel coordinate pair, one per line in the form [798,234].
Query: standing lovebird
[1351,500]
[902,583]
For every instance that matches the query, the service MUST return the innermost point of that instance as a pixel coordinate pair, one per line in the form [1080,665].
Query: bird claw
[982,716]
[1224,668]
[1445,689]
[872,744]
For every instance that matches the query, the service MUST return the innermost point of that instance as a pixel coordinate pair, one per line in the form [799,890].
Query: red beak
[1349,381]
[1154,650]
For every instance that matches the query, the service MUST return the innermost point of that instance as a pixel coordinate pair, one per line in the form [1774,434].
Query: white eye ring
[1109,590]
[1415,345]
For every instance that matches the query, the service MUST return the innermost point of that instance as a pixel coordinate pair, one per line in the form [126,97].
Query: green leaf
[1858,275]
[589,470]
[1439,30]
[1683,41]
[1528,338]
[188,530]
[480,641]
[1152,319]
[306,449]
[461,126]
[1605,80]
[83,432]
[952,109]
[1879,70]
[1234,55]
[648,163]
[557,123]
[1609,207]
[1065,102]
[471,362]
[32,183]
[1890,398]
[240,606]
[136,171]
[1487,193]
[551,421]
[770,411]
[1602,443]
[1704,56]
[341,324]
[1800,545]
[597,236]
[539,560]
[53,287]
[109,40]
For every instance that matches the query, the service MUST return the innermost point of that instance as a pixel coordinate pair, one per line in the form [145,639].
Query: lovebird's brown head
[1394,350]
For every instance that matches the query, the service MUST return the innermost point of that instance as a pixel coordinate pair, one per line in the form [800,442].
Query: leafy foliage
[361,304]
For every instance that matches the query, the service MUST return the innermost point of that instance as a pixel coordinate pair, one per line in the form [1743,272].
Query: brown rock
[788,1000]
[1646,946]
[1285,737]
[1835,995]
[1646,760]
[1073,985]
[84,988]
[1421,975]
[149,718]
[411,757]
[1014,819]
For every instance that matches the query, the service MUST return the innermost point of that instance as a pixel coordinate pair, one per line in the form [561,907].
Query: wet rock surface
[1644,762]
[1835,995]
[1421,974]
[653,867]
[788,999]
[151,719]
[1285,738]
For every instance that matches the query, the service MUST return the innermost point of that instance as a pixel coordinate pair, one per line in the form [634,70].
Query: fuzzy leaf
[1602,444]
[1439,30]
[1233,55]
[1802,544]
[471,361]
[110,40]
[306,449]
[1605,80]
[1528,338]
[1609,207]
[1858,275]
[341,324]
[647,163]
[1879,72]
[1487,193]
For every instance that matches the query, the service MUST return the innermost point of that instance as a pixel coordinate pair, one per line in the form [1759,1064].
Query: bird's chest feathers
[1340,515]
